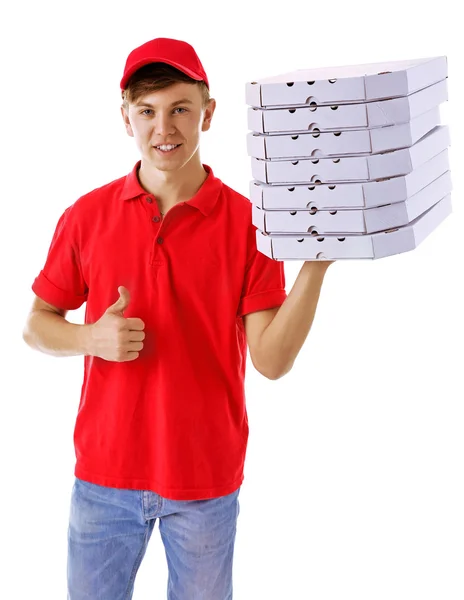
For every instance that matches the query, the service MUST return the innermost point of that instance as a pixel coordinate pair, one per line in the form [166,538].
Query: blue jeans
[109,529]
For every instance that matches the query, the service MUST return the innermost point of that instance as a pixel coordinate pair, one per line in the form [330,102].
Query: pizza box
[352,168]
[356,246]
[349,195]
[349,83]
[369,220]
[347,116]
[367,141]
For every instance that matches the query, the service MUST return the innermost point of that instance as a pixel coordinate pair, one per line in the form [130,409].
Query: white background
[354,475]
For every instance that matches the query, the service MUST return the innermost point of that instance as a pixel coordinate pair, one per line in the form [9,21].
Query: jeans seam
[136,563]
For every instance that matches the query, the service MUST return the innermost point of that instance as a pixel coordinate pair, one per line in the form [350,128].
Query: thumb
[122,302]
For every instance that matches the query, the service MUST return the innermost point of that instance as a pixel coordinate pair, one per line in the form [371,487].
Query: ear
[127,124]
[209,111]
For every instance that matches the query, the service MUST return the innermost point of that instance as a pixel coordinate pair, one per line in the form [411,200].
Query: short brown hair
[154,77]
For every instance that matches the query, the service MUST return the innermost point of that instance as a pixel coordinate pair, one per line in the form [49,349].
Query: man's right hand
[114,337]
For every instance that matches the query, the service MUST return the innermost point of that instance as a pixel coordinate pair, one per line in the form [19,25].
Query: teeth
[167,146]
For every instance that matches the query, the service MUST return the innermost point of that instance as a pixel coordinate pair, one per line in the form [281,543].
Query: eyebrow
[182,101]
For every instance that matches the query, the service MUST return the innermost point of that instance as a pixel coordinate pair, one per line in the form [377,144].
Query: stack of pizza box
[349,162]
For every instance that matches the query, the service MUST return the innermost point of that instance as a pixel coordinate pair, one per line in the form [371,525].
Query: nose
[163,124]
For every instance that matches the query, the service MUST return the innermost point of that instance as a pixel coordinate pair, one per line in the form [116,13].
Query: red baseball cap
[176,53]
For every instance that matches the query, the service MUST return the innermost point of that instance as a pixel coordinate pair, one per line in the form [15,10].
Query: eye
[149,110]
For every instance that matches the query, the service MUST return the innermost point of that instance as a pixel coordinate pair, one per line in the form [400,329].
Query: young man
[166,260]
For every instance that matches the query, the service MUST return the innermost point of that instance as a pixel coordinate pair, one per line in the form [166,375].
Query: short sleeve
[264,281]
[61,281]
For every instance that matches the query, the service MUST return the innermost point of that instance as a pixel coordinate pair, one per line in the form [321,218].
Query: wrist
[316,266]
[86,339]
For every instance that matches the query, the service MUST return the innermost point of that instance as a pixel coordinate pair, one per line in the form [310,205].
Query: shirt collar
[204,200]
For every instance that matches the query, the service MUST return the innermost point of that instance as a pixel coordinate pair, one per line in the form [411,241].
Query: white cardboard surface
[369,220]
[348,83]
[335,247]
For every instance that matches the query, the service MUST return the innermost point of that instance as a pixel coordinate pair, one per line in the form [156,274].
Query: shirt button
[156,219]
[149,200]
[160,240]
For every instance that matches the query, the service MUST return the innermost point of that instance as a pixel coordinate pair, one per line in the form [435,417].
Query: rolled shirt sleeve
[264,282]
[61,281]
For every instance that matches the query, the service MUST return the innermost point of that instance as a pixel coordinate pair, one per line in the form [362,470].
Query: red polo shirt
[174,420]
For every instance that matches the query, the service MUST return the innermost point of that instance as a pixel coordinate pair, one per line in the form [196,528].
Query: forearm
[51,333]
[284,337]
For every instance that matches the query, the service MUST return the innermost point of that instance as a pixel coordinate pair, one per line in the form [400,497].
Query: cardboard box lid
[350,83]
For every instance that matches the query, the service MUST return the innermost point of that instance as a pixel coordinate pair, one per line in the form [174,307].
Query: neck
[171,187]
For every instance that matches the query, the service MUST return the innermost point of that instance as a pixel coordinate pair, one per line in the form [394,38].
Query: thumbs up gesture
[115,338]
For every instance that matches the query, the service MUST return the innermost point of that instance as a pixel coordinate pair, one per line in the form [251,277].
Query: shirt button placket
[156,218]
[159,240]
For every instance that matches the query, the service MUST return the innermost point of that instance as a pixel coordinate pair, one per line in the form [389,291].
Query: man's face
[171,116]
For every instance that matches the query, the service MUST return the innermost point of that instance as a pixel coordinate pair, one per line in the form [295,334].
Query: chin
[167,168]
